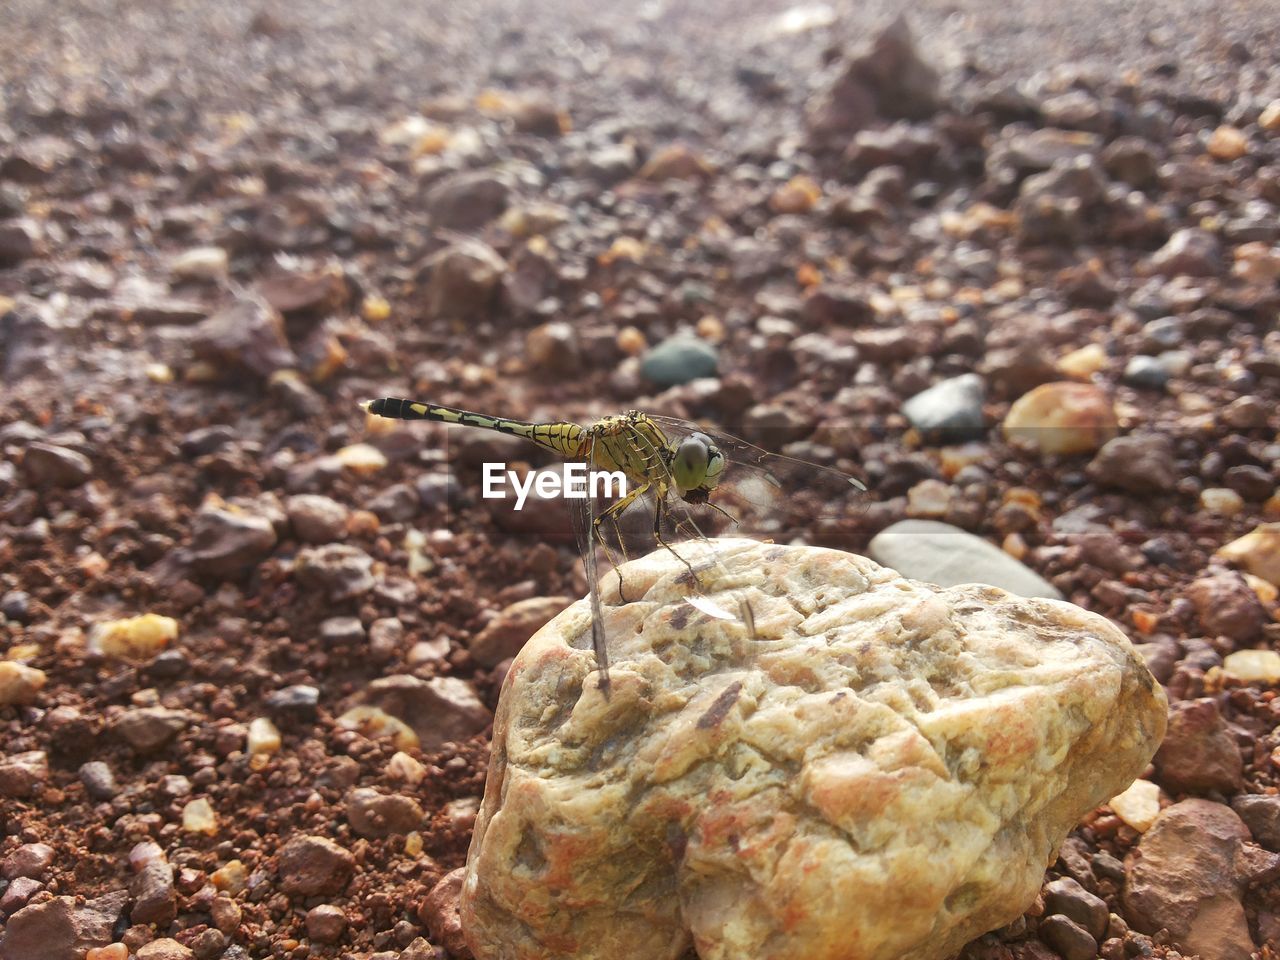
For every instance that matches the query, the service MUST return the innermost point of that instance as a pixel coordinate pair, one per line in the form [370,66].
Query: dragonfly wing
[671,511]
[583,512]
[711,608]
[772,494]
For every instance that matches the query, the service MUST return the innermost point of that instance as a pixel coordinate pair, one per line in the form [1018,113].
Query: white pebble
[362,458]
[200,263]
[263,736]
[1139,805]
[1260,666]
[930,499]
[134,638]
[198,817]
[406,769]
[1221,501]
[18,682]
[144,853]
[374,722]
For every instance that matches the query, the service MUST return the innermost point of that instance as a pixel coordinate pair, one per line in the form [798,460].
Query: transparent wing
[647,523]
[673,524]
[583,513]
[775,496]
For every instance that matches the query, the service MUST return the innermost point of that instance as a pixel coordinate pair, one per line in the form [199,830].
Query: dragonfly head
[696,466]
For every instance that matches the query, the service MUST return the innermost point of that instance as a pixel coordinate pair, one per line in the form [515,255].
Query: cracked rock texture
[882,773]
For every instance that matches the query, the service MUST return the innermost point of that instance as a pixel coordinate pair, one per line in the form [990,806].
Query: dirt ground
[223,225]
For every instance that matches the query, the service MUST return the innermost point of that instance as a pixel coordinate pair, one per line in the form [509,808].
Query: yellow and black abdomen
[563,438]
[395,408]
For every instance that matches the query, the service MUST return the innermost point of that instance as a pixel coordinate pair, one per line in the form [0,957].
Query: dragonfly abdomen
[563,438]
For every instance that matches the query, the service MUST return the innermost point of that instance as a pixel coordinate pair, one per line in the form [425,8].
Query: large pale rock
[882,773]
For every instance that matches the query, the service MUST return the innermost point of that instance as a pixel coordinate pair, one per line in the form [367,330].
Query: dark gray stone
[950,411]
[679,359]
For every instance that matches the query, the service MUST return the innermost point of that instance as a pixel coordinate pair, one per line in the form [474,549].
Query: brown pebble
[165,949]
[439,911]
[326,923]
[225,913]
[29,860]
[314,865]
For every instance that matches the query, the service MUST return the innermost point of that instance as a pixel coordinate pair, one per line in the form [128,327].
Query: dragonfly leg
[612,513]
[657,535]
[612,559]
[688,529]
[622,548]
[723,512]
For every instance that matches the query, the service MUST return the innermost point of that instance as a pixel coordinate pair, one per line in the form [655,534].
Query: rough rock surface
[886,78]
[61,929]
[439,911]
[247,334]
[1199,753]
[505,634]
[154,899]
[1188,874]
[21,774]
[374,814]
[438,710]
[883,772]
[1142,463]
[310,866]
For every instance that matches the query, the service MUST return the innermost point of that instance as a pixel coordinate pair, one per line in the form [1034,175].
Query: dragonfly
[675,464]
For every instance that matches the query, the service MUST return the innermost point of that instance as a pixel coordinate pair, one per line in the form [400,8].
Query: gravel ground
[197,200]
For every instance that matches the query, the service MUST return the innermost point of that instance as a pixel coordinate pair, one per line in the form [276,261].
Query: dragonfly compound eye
[689,465]
[715,467]
[697,466]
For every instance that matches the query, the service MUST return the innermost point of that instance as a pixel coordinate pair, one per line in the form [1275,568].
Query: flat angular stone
[61,929]
[883,772]
[147,729]
[247,334]
[463,278]
[226,543]
[437,710]
[154,898]
[1188,875]
[939,553]
[505,634]
[311,866]
[1258,551]
[22,774]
